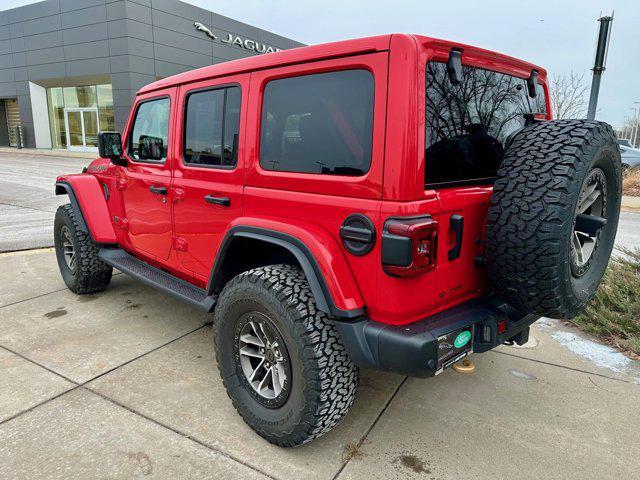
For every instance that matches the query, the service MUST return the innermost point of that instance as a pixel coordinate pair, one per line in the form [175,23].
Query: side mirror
[110,146]
[150,148]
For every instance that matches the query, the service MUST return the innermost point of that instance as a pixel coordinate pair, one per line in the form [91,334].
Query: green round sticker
[462,339]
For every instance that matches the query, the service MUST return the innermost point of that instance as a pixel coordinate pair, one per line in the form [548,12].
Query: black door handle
[456,222]
[223,201]
[158,190]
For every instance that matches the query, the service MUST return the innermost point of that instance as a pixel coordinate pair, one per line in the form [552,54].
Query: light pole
[599,62]
[634,125]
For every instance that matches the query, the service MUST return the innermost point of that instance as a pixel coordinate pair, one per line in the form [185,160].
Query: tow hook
[465,366]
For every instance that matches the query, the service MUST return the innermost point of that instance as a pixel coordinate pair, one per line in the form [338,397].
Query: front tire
[268,315]
[77,254]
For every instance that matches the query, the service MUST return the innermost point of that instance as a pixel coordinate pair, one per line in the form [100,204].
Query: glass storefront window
[105,108]
[80,97]
[56,118]
[64,101]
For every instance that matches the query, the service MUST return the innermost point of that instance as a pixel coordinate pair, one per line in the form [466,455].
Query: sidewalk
[123,384]
[47,153]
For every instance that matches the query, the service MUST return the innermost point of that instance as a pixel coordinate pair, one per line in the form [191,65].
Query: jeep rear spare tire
[553,216]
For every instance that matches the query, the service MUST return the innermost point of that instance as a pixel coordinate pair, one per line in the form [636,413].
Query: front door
[82,129]
[208,178]
[146,181]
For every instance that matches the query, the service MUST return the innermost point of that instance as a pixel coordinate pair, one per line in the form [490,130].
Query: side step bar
[140,270]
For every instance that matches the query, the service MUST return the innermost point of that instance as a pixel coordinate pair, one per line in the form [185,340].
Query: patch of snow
[521,374]
[601,355]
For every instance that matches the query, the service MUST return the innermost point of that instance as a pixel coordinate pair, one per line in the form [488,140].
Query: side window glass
[320,123]
[150,131]
[212,122]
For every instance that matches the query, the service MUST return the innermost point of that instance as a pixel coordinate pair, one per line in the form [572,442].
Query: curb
[630,204]
[48,153]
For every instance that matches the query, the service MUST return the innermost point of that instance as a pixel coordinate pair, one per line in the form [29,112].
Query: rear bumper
[413,349]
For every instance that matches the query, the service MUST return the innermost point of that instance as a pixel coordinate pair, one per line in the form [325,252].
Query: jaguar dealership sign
[237,40]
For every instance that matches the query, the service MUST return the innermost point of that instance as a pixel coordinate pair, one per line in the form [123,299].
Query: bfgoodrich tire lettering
[532,215]
[323,377]
[87,273]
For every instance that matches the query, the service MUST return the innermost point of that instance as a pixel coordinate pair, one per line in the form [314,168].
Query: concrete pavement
[123,384]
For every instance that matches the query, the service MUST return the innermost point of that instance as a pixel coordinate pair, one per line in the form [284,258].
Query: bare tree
[630,130]
[568,96]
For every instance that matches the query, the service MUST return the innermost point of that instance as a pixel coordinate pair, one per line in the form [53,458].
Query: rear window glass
[211,128]
[467,125]
[321,123]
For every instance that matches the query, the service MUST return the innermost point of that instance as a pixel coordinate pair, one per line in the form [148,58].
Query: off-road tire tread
[531,213]
[93,275]
[330,376]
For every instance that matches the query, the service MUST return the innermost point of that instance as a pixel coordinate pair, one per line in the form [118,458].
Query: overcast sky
[556,34]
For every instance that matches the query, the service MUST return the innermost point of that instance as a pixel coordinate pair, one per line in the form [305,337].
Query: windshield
[467,125]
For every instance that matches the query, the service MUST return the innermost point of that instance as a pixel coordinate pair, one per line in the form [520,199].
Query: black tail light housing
[409,246]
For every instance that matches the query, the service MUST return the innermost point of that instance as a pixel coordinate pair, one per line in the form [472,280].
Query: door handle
[222,201]
[456,222]
[158,190]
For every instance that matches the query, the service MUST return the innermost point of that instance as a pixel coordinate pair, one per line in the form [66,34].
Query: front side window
[468,125]
[150,131]
[320,123]
[211,127]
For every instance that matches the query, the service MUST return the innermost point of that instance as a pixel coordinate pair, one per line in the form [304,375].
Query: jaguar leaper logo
[236,40]
[462,339]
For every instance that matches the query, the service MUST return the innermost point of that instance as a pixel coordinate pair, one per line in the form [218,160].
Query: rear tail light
[502,327]
[409,246]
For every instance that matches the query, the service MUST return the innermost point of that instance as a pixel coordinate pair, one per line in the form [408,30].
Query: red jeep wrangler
[394,202]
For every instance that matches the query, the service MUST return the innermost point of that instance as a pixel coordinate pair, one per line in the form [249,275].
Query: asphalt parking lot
[28,201]
[27,197]
[123,384]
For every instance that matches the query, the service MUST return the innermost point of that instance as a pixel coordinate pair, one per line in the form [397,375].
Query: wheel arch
[281,247]
[89,204]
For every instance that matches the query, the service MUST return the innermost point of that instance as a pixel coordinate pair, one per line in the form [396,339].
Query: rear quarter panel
[320,203]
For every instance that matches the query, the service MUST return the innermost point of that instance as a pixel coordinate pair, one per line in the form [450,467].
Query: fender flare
[86,196]
[302,253]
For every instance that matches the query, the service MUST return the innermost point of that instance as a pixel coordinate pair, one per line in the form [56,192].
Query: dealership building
[71,68]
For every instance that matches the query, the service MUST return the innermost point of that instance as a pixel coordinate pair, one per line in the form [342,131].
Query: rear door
[208,182]
[146,182]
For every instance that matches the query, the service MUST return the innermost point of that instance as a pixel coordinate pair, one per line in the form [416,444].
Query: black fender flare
[298,249]
[65,188]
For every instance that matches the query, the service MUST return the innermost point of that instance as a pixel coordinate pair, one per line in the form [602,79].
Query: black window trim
[208,88]
[133,125]
[338,68]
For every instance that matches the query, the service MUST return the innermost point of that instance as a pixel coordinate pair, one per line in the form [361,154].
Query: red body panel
[90,197]
[183,234]
[322,244]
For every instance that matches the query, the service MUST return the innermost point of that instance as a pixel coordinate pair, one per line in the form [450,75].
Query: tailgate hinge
[180,244]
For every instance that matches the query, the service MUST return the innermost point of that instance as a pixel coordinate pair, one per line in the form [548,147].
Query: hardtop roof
[325,51]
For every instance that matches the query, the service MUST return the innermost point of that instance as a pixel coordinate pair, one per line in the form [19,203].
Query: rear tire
[77,254]
[536,255]
[317,379]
